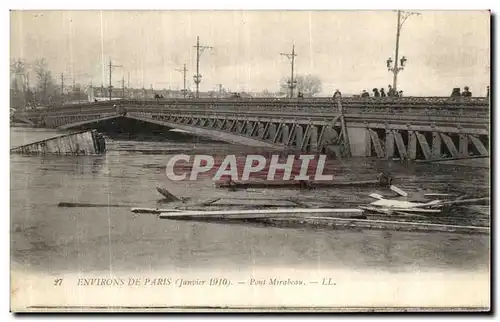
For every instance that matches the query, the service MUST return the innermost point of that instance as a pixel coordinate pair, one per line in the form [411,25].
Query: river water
[49,239]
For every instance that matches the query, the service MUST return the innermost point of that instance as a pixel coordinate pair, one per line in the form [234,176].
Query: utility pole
[110,72]
[399,64]
[128,80]
[62,82]
[197,76]
[183,70]
[291,82]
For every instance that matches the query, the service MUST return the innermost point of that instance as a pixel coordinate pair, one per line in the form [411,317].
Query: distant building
[101,94]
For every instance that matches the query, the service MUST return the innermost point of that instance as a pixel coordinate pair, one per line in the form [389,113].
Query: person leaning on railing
[466,92]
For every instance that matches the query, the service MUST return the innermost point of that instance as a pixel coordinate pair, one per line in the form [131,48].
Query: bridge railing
[406,105]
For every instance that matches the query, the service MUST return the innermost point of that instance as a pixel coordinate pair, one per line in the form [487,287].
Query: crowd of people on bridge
[391,92]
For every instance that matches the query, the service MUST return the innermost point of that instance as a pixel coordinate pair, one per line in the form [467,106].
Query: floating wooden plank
[436,194]
[388,203]
[403,211]
[253,213]
[154,210]
[398,191]
[376,196]
[88,205]
[379,210]
[78,143]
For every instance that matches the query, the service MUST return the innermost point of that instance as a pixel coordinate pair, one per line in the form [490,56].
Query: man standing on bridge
[391,92]
[466,92]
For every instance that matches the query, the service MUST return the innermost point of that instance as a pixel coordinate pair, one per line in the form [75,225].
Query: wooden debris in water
[87,205]
[168,196]
[398,191]
[252,213]
[376,196]
[381,181]
[88,142]
[153,210]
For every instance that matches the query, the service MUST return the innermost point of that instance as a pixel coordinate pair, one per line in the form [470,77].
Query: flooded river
[53,240]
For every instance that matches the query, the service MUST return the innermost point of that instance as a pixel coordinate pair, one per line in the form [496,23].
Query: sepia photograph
[250,160]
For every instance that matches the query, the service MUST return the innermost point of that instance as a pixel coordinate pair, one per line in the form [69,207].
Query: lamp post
[399,64]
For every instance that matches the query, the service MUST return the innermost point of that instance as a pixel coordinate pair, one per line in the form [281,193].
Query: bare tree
[45,83]
[266,93]
[17,75]
[308,85]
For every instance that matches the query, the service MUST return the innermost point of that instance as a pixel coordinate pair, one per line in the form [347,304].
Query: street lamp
[403,61]
[389,64]
[402,17]
[396,68]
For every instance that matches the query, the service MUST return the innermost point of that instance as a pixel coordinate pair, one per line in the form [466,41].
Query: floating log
[87,205]
[154,210]
[78,143]
[168,196]
[254,205]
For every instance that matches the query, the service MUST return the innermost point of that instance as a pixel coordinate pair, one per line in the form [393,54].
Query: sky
[345,49]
